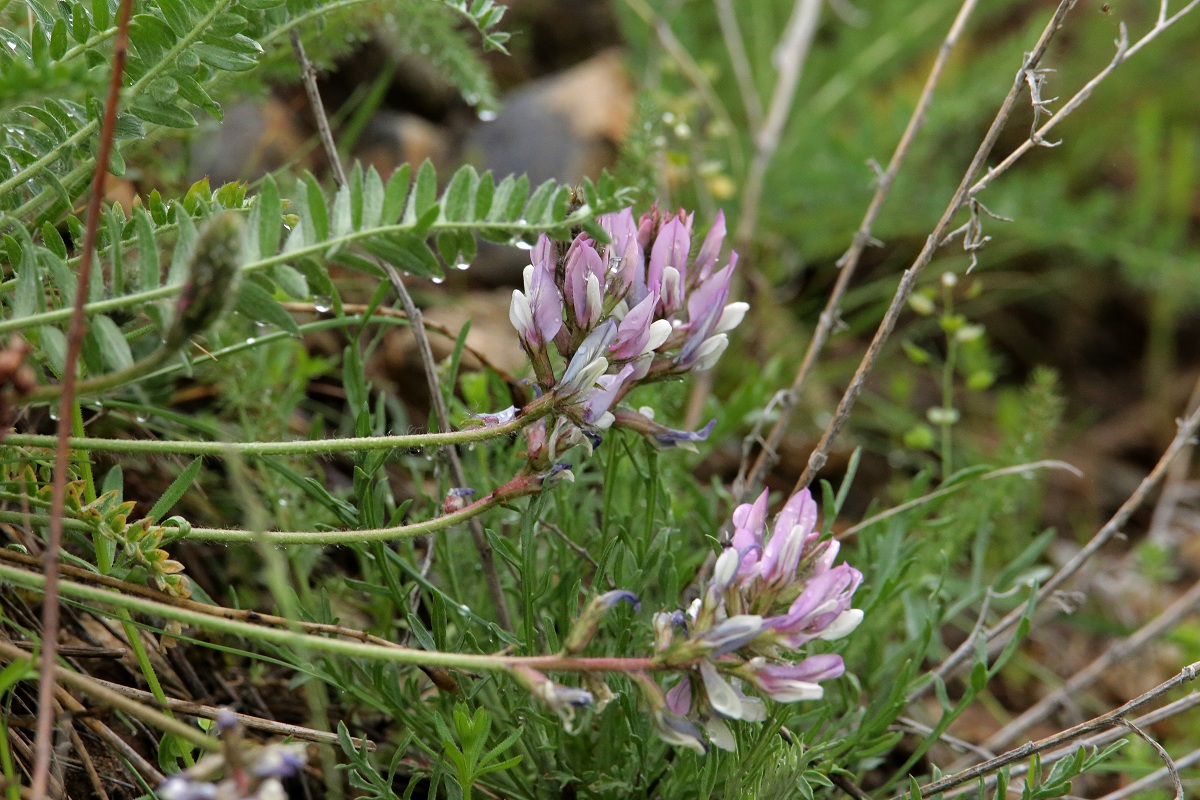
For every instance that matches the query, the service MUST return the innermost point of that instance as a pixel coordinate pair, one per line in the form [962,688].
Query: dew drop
[464,609]
[283,502]
[463,265]
[251,340]
[141,419]
[438,279]
[521,244]
[322,303]
[486,115]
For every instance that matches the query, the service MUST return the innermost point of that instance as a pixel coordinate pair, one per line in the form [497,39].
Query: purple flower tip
[279,761]
[226,720]
[684,439]
[178,787]
[463,491]
[610,599]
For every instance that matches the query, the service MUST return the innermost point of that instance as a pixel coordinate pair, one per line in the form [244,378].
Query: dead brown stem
[75,334]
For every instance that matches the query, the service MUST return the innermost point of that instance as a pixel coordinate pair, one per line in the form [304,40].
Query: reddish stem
[75,334]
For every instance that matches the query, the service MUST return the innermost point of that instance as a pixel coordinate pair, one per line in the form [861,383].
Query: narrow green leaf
[114,349]
[356,195]
[485,189]
[539,202]
[316,207]
[223,57]
[405,252]
[150,35]
[167,114]
[516,200]
[62,277]
[372,200]
[191,90]
[100,16]
[185,243]
[500,199]
[149,269]
[424,193]
[343,222]
[258,304]
[394,196]
[457,201]
[270,218]
[54,240]
[114,481]
[81,24]
[53,343]
[158,210]
[177,489]
[27,297]
[175,12]
[58,39]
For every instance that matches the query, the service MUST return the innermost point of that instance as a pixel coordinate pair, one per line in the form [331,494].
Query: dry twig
[908,280]
[1100,723]
[1187,430]
[1117,652]
[416,323]
[66,416]
[748,481]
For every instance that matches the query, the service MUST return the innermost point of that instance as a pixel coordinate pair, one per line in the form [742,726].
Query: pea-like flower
[635,310]
[771,593]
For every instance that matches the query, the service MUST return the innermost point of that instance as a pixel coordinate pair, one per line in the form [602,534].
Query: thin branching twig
[1171,767]
[792,52]
[732,34]
[1117,652]
[1187,430]
[1136,788]
[75,333]
[1100,723]
[416,323]
[748,481]
[908,280]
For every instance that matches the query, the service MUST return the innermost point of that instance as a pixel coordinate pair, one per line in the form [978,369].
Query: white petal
[731,317]
[846,622]
[660,331]
[520,314]
[527,274]
[709,351]
[724,700]
[720,735]
[594,300]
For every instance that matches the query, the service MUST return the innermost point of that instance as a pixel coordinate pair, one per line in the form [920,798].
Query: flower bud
[211,278]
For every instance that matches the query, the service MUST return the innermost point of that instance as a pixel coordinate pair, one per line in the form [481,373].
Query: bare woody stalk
[908,280]
[75,333]
[1187,431]
[793,52]
[1100,723]
[747,483]
[1119,651]
[416,323]
[1102,739]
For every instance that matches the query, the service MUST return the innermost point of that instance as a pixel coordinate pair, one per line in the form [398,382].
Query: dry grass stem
[417,325]
[749,480]
[908,280]
[43,747]
[1101,723]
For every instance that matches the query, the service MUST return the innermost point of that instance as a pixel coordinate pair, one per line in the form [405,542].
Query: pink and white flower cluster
[769,596]
[636,310]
